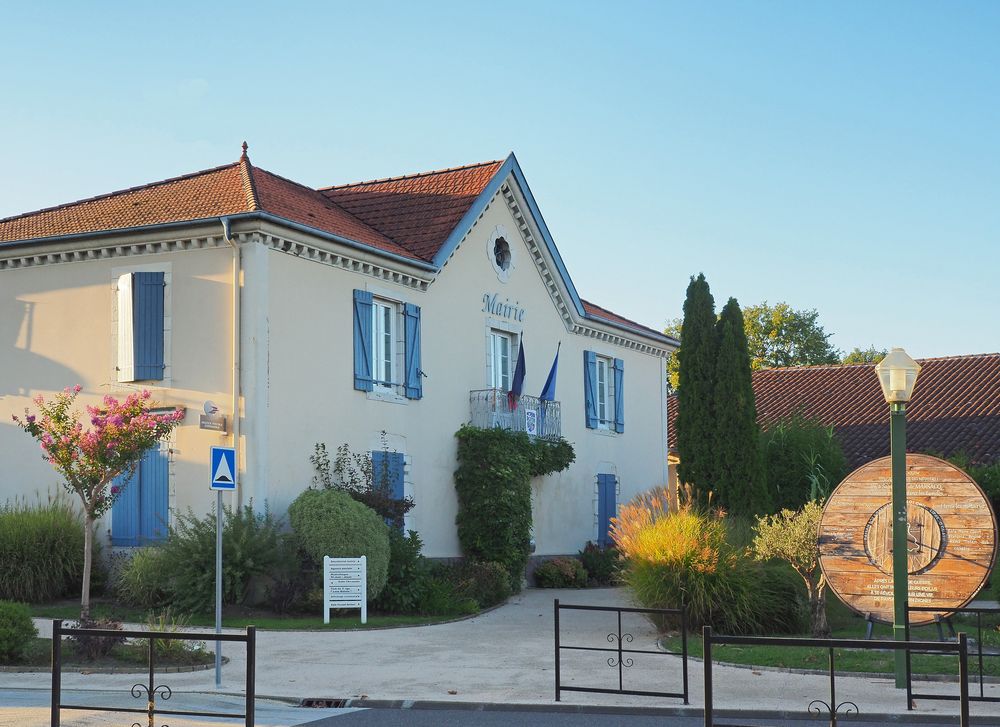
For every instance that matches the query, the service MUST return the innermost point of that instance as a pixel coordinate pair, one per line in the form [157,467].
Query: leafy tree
[793,536]
[90,459]
[779,335]
[696,379]
[739,485]
[870,355]
[673,329]
[803,461]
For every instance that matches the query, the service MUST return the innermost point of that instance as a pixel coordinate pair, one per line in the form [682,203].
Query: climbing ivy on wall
[493,482]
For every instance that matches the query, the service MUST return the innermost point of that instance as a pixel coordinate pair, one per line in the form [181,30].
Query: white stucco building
[327,315]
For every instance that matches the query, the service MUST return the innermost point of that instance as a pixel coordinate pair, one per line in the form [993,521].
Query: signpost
[223,473]
[950,538]
[345,585]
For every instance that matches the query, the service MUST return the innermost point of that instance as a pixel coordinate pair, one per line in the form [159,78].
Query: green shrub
[250,552]
[17,631]
[41,551]
[781,601]
[91,648]
[409,573]
[601,563]
[166,621]
[293,579]
[141,581]
[330,522]
[493,483]
[441,599]
[488,584]
[561,573]
[803,461]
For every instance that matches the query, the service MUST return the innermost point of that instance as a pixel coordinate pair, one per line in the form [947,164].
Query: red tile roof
[418,211]
[955,406]
[411,216]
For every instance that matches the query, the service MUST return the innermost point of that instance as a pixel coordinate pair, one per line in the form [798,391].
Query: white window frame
[604,395]
[498,379]
[379,353]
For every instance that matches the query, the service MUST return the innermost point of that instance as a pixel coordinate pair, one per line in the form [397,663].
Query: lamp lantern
[897,373]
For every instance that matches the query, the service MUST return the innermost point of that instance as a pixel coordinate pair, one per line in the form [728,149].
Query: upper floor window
[387,346]
[385,343]
[603,392]
[500,364]
[141,320]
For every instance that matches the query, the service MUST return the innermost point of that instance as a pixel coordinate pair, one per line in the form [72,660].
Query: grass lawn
[234,618]
[39,653]
[845,624]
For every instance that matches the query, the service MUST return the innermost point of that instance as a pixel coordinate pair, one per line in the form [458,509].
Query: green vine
[493,482]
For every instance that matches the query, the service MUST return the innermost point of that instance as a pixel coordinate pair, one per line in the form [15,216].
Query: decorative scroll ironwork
[491,408]
[834,712]
[620,658]
[151,691]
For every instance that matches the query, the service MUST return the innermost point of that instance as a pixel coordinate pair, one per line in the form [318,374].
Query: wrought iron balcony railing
[491,408]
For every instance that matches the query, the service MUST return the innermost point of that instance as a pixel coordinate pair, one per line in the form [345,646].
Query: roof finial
[244,157]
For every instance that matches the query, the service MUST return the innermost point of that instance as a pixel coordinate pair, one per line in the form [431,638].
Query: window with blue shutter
[139,514]
[590,388]
[147,322]
[607,507]
[619,368]
[363,380]
[387,471]
[414,386]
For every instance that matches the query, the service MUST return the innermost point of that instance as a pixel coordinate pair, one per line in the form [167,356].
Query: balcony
[490,408]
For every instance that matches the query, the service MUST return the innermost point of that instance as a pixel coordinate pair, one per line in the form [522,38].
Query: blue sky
[838,156]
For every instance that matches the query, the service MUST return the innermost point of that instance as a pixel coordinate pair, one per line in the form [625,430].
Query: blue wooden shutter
[153,497]
[606,507]
[414,387]
[363,340]
[125,510]
[619,395]
[590,388]
[387,471]
[147,325]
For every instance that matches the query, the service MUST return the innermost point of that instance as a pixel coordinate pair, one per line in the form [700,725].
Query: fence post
[56,697]
[555,607]
[963,677]
[684,651]
[251,690]
[706,635]
[909,667]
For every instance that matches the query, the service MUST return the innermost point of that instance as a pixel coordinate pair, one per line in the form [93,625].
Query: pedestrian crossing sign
[223,468]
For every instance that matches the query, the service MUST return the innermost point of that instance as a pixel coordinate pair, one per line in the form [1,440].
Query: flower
[115,489]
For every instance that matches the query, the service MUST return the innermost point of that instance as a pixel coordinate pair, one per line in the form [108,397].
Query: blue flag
[549,390]
[517,385]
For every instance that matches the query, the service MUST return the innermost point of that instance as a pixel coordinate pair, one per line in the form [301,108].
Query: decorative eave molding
[105,250]
[617,339]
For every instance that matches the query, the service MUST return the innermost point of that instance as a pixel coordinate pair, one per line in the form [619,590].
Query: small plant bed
[847,625]
[124,656]
[239,618]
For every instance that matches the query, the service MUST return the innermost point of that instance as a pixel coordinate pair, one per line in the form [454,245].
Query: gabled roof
[955,406]
[420,218]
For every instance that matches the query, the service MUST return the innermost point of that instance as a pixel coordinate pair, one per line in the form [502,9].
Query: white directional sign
[345,585]
[223,468]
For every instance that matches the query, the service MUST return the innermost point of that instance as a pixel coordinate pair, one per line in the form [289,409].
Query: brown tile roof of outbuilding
[418,211]
[955,406]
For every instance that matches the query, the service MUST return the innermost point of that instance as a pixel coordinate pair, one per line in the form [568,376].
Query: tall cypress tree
[740,486]
[696,390]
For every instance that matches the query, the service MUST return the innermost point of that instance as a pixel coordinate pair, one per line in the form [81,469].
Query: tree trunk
[817,613]
[88,557]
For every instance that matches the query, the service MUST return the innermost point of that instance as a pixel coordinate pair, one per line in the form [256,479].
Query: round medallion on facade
[951,538]
[500,253]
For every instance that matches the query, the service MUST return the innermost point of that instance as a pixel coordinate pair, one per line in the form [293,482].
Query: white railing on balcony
[491,408]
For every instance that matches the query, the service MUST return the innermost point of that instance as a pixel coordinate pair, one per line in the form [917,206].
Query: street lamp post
[897,373]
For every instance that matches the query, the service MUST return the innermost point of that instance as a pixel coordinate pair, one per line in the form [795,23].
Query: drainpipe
[227,232]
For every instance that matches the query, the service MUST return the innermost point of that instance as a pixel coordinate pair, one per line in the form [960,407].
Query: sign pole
[218,587]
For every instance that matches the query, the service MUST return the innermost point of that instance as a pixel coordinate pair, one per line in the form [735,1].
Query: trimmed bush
[561,573]
[141,582]
[330,522]
[803,461]
[601,563]
[409,573]
[782,604]
[493,483]
[250,552]
[16,631]
[41,551]
[488,584]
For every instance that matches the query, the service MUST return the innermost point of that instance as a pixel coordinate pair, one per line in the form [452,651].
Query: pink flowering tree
[90,458]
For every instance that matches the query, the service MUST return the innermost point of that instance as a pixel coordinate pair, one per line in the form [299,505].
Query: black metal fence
[150,690]
[981,697]
[620,658]
[833,707]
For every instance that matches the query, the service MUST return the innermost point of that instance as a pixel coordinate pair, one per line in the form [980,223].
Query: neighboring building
[955,407]
[390,310]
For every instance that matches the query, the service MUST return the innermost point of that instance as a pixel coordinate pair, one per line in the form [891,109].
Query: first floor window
[605,392]
[139,514]
[384,343]
[501,345]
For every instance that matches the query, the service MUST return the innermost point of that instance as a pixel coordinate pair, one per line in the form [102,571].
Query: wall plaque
[951,538]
